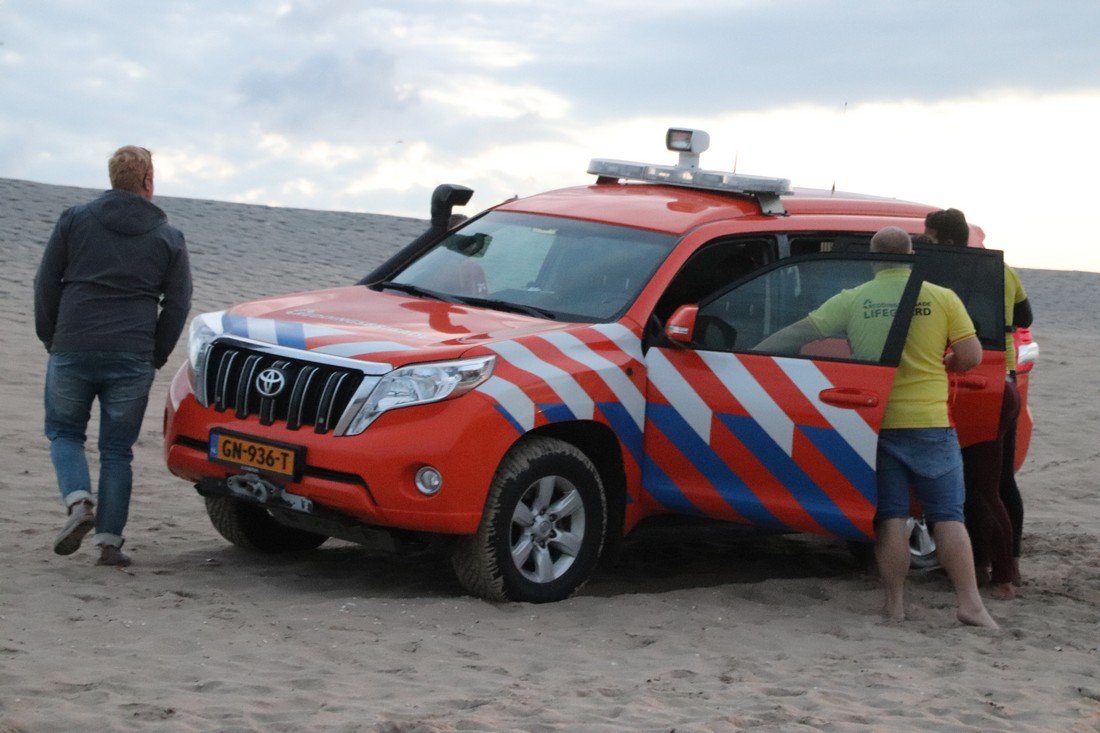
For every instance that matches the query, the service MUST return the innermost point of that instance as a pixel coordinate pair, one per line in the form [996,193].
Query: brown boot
[114,556]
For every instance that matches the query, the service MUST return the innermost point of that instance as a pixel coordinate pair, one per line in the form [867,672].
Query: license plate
[265,456]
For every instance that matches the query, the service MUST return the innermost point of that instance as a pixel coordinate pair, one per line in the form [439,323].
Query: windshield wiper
[418,291]
[505,305]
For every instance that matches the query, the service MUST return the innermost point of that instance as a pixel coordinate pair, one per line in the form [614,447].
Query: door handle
[848,397]
[976,381]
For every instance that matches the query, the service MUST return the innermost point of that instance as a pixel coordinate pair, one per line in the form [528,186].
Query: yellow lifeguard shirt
[918,398]
[1014,293]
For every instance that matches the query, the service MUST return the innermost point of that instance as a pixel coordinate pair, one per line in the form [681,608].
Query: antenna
[843,111]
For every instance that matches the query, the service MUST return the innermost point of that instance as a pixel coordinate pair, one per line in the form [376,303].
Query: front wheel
[542,529]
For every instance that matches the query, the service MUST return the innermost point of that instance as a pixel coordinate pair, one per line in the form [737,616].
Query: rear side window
[806,243]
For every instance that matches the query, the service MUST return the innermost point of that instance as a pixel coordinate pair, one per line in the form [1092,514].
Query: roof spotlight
[688,143]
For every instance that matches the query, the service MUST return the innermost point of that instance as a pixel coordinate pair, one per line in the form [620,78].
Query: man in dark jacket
[111,298]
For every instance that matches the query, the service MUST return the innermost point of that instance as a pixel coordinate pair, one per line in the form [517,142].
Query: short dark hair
[949,225]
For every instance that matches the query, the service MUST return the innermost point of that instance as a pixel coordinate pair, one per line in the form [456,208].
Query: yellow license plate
[259,455]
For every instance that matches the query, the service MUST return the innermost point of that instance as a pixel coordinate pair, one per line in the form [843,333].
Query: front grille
[313,394]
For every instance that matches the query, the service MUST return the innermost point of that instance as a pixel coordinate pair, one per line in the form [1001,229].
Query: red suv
[531,385]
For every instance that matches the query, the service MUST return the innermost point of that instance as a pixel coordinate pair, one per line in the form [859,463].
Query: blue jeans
[121,381]
[929,461]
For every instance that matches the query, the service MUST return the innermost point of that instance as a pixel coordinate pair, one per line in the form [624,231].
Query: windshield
[559,268]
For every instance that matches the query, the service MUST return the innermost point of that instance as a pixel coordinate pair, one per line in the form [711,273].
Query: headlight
[204,329]
[419,384]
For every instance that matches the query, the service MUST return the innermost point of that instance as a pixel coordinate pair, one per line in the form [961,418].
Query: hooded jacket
[114,277]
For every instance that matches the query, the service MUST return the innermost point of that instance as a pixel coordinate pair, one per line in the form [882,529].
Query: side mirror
[681,326]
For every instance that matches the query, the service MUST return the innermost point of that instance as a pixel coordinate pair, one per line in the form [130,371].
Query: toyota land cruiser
[537,381]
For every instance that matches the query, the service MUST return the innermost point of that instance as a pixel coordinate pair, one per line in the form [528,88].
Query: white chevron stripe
[261,329]
[512,399]
[849,425]
[264,329]
[312,330]
[571,393]
[681,395]
[623,337]
[620,384]
[756,401]
[356,348]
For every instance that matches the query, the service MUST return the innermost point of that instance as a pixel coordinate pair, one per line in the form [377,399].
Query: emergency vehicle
[533,384]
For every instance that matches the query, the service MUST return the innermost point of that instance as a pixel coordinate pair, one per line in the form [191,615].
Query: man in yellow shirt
[917,445]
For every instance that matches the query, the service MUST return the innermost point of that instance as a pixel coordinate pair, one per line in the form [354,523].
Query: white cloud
[369,106]
[483,97]
[179,166]
[1019,165]
[300,186]
[411,166]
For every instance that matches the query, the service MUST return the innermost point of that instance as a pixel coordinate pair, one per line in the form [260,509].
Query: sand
[715,631]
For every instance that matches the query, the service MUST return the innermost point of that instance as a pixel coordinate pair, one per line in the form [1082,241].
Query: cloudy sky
[991,106]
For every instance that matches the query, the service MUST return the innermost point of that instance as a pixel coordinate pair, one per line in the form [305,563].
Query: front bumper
[368,478]
[301,513]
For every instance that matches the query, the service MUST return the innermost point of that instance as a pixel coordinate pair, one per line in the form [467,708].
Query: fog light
[429,481]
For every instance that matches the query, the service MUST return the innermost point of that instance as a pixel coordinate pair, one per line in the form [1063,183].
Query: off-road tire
[483,562]
[252,528]
[922,549]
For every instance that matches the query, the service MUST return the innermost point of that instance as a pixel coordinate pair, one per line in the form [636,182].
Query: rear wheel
[543,527]
[251,527]
[922,548]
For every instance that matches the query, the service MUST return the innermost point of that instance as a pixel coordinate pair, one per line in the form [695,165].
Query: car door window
[977,277]
[831,288]
[713,268]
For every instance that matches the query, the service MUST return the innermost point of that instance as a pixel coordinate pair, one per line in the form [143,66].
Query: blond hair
[128,168]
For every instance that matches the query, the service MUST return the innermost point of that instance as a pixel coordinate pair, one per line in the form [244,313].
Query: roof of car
[675,209]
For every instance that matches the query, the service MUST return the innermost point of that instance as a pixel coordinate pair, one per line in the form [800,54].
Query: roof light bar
[690,143]
[690,177]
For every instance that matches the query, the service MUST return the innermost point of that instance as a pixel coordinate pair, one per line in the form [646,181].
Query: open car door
[772,438]
[977,277]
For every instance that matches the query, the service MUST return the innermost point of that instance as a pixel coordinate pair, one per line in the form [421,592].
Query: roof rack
[690,143]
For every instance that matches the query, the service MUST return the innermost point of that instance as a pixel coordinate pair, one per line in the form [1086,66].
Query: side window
[714,267]
[804,243]
[852,303]
[977,277]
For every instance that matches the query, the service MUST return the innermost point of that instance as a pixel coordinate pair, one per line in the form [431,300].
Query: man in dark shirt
[111,298]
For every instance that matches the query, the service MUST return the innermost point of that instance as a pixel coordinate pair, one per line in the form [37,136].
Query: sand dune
[714,631]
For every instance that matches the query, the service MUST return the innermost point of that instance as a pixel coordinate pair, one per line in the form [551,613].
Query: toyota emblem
[270,382]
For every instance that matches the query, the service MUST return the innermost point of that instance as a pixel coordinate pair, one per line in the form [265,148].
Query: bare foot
[893,612]
[1003,591]
[976,617]
[1016,580]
